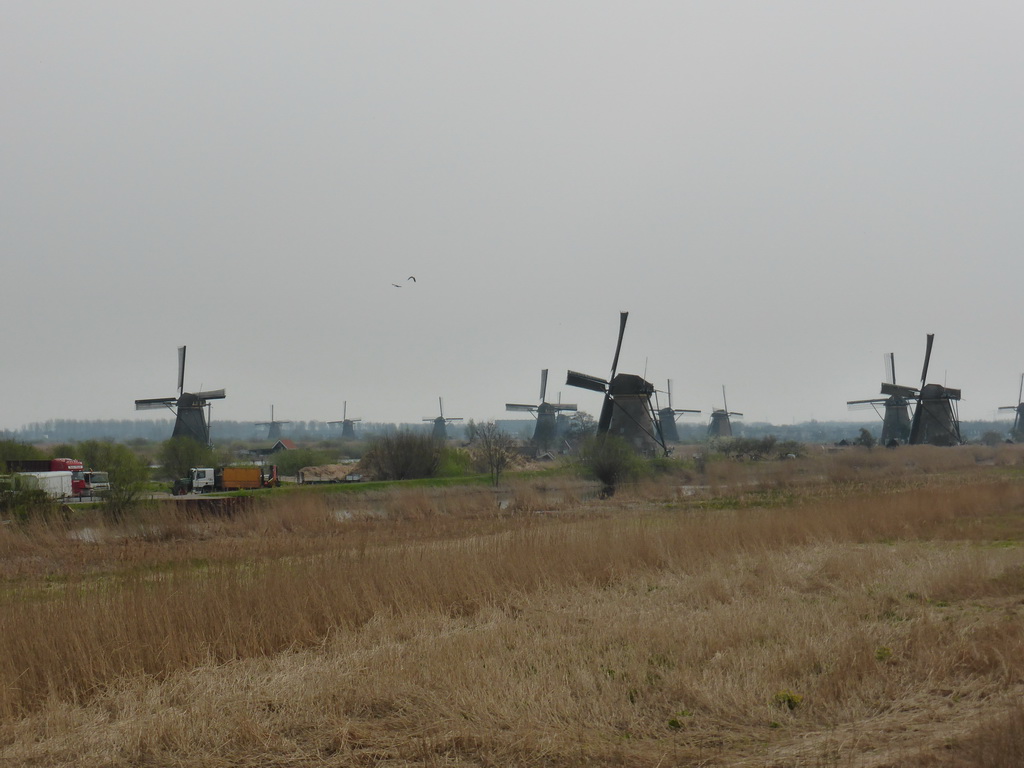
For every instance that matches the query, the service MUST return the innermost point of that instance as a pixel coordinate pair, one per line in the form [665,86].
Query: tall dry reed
[77,635]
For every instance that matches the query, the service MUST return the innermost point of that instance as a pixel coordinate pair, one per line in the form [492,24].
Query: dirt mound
[328,473]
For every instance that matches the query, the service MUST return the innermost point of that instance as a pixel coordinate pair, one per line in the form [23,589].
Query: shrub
[788,699]
[128,475]
[290,462]
[454,462]
[493,450]
[403,456]
[11,450]
[179,454]
[611,461]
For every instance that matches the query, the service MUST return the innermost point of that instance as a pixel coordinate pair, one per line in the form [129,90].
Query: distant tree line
[690,430]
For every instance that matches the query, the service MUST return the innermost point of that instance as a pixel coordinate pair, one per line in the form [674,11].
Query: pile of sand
[327,473]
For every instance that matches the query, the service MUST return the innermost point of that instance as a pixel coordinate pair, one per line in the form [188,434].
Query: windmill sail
[189,407]
[545,432]
[935,421]
[667,418]
[1017,432]
[626,410]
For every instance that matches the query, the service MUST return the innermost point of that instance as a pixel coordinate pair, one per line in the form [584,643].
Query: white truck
[56,485]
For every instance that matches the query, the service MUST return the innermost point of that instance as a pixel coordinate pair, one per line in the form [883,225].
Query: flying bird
[410,277]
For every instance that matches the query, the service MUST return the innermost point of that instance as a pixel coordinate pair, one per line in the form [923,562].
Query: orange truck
[208,479]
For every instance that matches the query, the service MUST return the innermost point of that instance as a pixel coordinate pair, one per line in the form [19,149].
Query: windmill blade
[604,423]
[890,368]
[1001,407]
[211,394]
[155,402]
[669,390]
[863,405]
[519,407]
[181,369]
[623,316]
[440,406]
[725,402]
[586,381]
[1020,394]
[899,390]
[685,410]
[870,401]
[733,413]
[927,358]
[355,421]
[344,410]
[563,406]
[450,419]
[543,384]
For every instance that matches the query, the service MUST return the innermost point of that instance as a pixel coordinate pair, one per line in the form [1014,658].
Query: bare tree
[493,448]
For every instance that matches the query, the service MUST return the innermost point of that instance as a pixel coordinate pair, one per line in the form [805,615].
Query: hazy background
[779,193]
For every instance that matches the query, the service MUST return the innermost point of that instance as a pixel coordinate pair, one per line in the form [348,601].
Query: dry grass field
[849,609]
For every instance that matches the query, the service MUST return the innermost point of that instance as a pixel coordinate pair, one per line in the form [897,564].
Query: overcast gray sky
[779,194]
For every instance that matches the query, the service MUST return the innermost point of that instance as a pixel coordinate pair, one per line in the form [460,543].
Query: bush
[611,461]
[129,474]
[454,462]
[21,503]
[865,439]
[403,456]
[290,462]
[493,450]
[179,454]
[11,450]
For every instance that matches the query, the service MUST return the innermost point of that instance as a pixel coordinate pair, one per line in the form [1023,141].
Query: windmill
[627,410]
[667,418]
[441,422]
[273,427]
[545,413]
[348,430]
[935,419]
[1018,420]
[896,414]
[190,420]
[720,425]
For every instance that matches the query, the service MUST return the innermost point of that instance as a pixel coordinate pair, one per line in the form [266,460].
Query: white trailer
[56,485]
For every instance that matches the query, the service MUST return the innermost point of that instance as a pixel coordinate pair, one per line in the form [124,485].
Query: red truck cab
[77,469]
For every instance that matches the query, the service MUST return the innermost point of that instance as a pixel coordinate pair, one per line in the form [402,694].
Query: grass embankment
[859,609]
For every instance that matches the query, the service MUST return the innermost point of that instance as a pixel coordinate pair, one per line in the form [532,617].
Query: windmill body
[895,413]
[1017,433]
[545,432]
[627,411]
[632,416]
[190,407]
[667,418]
[440,430]
[348,429]
[273,426]
[896,420]
[935,420]
[721,423]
